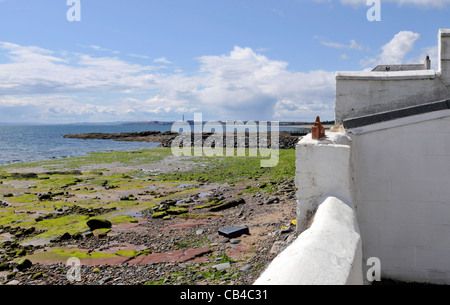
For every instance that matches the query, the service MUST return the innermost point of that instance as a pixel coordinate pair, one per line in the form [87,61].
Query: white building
[381,187]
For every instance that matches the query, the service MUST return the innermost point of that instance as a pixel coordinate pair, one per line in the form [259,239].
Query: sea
[28,143]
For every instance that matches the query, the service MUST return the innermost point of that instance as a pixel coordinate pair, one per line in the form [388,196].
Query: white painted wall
[402,182]
[328,253]
[322,169]
[363,93]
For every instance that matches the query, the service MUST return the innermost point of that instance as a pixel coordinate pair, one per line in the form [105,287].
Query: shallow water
[46,142]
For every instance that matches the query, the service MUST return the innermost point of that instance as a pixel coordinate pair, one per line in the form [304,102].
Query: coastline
[128,188]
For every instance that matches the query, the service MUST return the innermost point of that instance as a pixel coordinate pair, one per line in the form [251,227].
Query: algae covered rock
[159,214]
[24,264]
[177,210]
[227,205]
[95,224]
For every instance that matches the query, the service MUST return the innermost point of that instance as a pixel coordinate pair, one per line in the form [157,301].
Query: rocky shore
[286,140]
[134,227]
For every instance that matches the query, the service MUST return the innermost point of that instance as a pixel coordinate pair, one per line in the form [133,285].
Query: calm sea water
[44,142]
[36,143]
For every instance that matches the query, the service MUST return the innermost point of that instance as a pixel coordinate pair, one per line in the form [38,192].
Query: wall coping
[387,76]
[328,253]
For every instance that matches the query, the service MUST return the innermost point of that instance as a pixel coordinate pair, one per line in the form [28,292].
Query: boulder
[95,224]
[234,232]
[24,264]
[227,204]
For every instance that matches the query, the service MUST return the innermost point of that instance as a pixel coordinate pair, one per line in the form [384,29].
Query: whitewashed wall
[402,176]
[363,93]
[328,253]
[322,169]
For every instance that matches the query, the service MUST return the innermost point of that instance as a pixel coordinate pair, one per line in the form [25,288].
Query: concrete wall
[363,93]
[328,253]
[402,178]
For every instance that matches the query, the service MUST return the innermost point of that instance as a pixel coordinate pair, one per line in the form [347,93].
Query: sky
[146,60]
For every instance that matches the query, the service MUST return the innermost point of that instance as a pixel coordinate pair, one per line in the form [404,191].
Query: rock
[77,236]
[37,276]
[104,280]
[272,200]
[65,236]
[235,241]
[24,264]
[43,197]
[128,198]
[276,248]
[95,224]
[199,232]
[246,268]
[223,241]
[11,275]
[177,210]
[24,175]
[161,214]
[223,266]
[227,204]
[234,232]
[4,267]
[169,202]
[13,283]
[21,252]
[29,231]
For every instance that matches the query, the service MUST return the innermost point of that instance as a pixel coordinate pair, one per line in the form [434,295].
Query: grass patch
[235,169]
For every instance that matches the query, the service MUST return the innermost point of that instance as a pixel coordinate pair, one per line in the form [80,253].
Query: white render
[317,177]
[363,93]
[402,178]
[328,253]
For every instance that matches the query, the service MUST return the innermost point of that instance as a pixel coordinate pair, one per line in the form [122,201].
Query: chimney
[444,55]
[427,63]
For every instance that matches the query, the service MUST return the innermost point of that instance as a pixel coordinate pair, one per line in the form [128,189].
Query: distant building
[394,68]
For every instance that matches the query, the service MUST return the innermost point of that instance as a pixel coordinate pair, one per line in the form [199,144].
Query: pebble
[246,268]
[223,266]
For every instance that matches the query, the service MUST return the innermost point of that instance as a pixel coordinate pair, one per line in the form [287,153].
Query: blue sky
[141,60]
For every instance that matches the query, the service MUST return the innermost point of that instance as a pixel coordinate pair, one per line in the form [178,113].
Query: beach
[160,219]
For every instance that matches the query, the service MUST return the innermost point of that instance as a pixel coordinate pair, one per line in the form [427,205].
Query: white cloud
[138,56]
[432,52]
[162,60]
[243,84]
[353,45]
[395,51]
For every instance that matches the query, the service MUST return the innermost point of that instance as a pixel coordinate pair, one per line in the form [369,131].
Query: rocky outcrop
[286,140]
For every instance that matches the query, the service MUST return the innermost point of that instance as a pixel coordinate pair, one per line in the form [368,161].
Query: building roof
[390,68]
[396,114]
